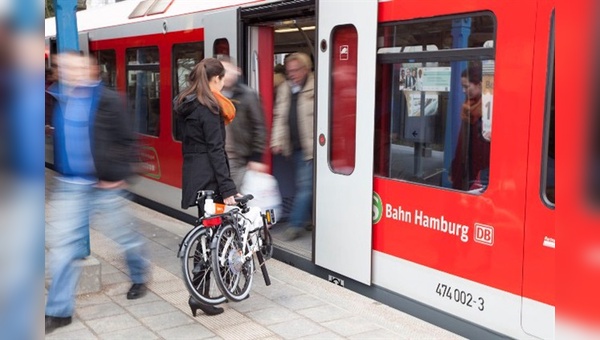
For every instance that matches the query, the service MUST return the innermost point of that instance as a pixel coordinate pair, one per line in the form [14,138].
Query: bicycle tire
[233,274]
[197,269]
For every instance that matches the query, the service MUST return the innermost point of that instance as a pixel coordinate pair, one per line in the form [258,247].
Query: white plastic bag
[265,190]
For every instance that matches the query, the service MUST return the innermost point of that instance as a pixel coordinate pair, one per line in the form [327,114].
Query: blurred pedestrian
[203,112]
[246,135]
[95,145]
[278,78]
[50,101]
[293,135]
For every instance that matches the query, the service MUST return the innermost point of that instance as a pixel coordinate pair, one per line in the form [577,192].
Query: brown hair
[198,83]
[473,74]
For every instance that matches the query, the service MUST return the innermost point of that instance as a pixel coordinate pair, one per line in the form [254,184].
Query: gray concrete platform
[297,305]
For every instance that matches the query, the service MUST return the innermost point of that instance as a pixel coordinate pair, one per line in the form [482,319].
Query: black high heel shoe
[207,309]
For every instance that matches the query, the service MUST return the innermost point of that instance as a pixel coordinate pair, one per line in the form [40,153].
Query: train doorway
[268,34]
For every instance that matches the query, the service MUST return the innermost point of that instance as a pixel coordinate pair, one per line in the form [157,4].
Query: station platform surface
[297,305]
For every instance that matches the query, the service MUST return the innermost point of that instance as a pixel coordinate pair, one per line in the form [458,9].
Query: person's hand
[231,199]
[256,166]
[49,130]
[276,150]
[487,135]
[110,185]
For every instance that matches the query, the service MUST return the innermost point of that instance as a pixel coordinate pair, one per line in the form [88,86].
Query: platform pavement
[297,305]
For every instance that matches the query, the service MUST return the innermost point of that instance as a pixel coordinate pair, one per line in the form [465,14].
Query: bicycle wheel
[233,272]
[197,269]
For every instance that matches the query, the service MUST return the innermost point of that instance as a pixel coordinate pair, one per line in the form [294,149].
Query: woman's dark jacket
[205,164]
[114,145]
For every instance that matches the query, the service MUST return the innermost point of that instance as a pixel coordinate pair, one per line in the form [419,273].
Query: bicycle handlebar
[244,199]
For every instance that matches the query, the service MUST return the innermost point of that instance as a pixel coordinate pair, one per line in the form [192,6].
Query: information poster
[487,96]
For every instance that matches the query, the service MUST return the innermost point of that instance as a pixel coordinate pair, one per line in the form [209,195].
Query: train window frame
[107,80]
[342,106]
[393,58]
[591,170]
[154,68]
[176,88]
[549,116]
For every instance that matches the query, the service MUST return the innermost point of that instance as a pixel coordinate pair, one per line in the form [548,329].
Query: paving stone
[80,334]
[321,336]
[91,299]
[378,334]
[296,302]
[277,290]
[117,277]
[248,330]
[269,316]
[167,320]
[112,324]
[90,278]
[131,333]
[253,303]
[192,331]
[350,326]
[117,288]
[151,308]
[99,311]
[166,287]
[324,313]
[297,328]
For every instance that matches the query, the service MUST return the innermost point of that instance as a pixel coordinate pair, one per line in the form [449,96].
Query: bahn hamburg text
[418,217]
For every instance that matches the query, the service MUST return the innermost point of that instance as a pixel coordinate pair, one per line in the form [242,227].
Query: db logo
[484,234]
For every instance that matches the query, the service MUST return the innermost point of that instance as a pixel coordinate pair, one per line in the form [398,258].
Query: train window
[221,47]
[107,61]
[548,159]
[593,168]
[435,101]
[549,192]
[143,88]
[593,154]
[185,57]
[342,114]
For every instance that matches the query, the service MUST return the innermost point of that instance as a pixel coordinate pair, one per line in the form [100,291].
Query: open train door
[346,59]
[220,33]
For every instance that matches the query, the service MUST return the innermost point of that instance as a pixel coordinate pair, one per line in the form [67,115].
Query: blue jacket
[105,127]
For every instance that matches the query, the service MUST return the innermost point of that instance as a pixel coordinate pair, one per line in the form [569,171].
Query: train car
[422,195]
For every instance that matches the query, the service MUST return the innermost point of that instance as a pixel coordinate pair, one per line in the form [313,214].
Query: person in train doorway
[203,113]
[246,136]
[95,146]
[293,135]
[470,166]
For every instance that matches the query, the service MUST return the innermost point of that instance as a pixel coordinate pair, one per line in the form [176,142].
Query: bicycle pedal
[270,217]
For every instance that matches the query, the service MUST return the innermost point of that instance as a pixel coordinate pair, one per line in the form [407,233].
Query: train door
[220,33]
[269,33]
[345,58]
[537,316]
[578,175]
